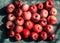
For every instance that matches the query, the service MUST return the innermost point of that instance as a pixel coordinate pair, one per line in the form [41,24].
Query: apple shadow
[2,26]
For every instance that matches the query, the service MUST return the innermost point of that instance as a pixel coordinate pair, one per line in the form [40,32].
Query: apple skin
[35,17]
[19,21]
[52,19]
[26,33]
[52,37]
[11,17]
[40,5]
[34,36]
[49,29]
[44,13]
[18,29]
[10,8]
[29,24]
[43,22]
[25,7]
[27,15]
[49,4]
[17,37]
[53,11]
[11,33]
[33,8]
[10,25]
[43,35]
[37,28]
[18,12]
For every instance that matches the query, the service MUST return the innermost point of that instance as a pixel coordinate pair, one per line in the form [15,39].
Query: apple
[33,8]
[26,33]
[35,17]
[37,28]
[11,17]
[19,21]
[10,8]
[18,29]
[43,35]
[34,36]
[29,24]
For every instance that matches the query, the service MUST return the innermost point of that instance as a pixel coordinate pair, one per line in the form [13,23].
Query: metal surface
[5,39]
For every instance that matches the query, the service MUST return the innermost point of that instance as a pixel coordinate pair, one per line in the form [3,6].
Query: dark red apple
[43,35]
[10,8]
[49,29]
[18,12]
[10,33]
[52,37]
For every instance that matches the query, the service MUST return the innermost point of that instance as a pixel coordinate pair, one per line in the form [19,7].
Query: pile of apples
[31,21]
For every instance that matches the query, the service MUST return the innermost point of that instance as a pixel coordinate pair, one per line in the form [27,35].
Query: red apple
[18,29]
[10,33]
[52,37]
[35,17]
[26,33]
[51,19]
[10,25]
[10,8]
[27,15]
[49,4]
[34,36]
[37,28]
[49,29]
[33,8]
[29,24]
[17,37]
[18,12]
[43,22]
[16,3]
[44,13]
[43,35]
[25,7]
[11,17]
[53,11]
[19,21]
[40,5]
